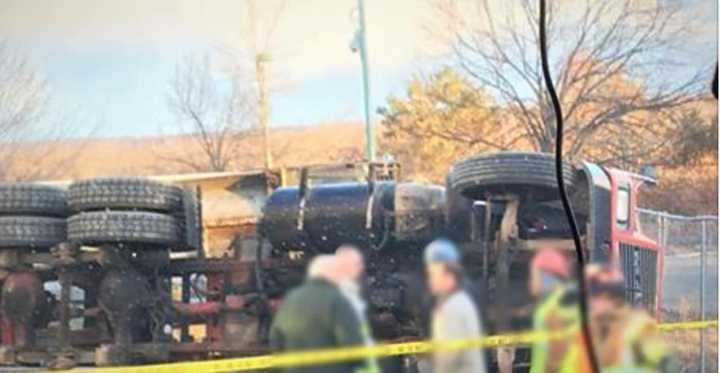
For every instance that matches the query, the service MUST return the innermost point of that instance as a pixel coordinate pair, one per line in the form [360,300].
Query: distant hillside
[145,156]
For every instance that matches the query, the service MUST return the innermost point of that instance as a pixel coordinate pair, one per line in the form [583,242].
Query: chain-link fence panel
[690,285]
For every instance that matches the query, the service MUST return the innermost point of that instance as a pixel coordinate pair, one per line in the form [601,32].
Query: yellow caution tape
[666,327]
[319,357]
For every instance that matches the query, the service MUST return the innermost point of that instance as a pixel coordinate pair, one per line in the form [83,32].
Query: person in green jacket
[557,309]
[317,315]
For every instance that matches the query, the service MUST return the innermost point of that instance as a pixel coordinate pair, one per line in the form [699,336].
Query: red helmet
[551,261]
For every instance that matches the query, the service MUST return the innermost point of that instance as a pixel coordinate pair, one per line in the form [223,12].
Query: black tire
[458,215]
[33,232]
[189,220]
[32,199]
[519,173]
[124,194]
[123,227]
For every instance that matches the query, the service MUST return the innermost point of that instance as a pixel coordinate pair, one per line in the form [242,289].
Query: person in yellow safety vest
[556,310]
[625,339]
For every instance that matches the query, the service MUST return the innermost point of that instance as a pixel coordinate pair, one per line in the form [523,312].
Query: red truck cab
[614,236]
[639,257]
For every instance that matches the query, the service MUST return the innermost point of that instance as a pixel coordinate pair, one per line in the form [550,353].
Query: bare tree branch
[214,112]
[611,59]
[31,131]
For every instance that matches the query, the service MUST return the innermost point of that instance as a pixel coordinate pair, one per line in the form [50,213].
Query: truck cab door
[599,205]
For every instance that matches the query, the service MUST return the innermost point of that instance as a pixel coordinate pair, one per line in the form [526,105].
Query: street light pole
[369,132]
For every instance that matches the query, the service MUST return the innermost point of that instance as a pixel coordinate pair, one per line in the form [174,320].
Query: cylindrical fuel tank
[419,212]
[369,215]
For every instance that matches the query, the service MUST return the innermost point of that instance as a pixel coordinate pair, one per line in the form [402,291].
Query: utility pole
[263,106]
[362,46]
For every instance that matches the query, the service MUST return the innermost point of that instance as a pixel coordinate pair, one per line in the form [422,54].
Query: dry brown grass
[153,156]
[687,342]
[687,190]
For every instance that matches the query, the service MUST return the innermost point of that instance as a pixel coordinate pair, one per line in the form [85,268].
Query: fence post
[663,251]
[663,238]
[659,229]
[703,248]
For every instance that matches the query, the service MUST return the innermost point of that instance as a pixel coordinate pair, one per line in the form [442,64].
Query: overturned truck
[116,271]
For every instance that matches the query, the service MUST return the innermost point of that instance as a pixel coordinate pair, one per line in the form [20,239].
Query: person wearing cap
[557,308]
[625,339]
[455,316]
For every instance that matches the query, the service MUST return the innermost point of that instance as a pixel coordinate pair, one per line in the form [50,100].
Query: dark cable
[582,289]
[714,87]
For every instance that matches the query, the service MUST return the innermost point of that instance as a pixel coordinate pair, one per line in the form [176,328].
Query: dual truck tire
[32,215]
[134,210]
[91,212]
[124,211]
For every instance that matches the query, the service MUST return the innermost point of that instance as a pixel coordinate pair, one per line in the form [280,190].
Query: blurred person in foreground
[625,339]
[455,316]
[556,310]
[350,267]
[316,315]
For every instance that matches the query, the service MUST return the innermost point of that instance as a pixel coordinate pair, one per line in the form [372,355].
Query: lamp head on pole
[355,43]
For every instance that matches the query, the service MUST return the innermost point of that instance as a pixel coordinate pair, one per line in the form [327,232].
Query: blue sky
[110,61]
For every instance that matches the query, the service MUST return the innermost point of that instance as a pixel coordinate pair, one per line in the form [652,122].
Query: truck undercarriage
[113,271]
